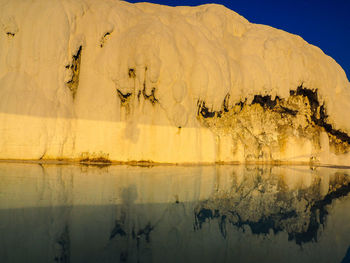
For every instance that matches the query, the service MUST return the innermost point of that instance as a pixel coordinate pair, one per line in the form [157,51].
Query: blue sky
[325,24]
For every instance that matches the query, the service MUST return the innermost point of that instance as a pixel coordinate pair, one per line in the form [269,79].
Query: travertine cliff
[112,81]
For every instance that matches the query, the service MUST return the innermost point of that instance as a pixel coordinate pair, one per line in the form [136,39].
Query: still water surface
[76,213]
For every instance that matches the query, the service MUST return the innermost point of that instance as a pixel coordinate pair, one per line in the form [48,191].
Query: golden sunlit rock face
[103,81]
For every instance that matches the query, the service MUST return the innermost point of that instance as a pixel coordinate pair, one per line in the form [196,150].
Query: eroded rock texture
[93,80]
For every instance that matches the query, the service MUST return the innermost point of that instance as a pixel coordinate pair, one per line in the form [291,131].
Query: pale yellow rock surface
[126,82]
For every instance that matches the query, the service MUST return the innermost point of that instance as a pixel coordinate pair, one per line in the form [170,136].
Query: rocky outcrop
[93,80]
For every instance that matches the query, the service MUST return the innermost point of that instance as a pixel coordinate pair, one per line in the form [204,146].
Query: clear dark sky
[323,23]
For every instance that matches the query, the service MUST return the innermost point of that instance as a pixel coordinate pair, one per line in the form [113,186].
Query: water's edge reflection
[61,213]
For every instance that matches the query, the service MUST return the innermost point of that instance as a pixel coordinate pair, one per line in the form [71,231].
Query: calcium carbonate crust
[102,81]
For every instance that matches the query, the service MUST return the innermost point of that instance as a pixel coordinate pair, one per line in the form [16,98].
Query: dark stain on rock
[132,73]
[101,160]
[265,101]
[10,34]
[205,112]
[139,95]
[310,94]
[77,55]
[225,103]
[319,116]
[241,104]
[123,97]
[274,105]
[285,110]
[318,112]
[104,38]
[73,83]
[151,97]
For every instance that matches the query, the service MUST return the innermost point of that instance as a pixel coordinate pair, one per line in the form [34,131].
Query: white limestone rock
[110,80]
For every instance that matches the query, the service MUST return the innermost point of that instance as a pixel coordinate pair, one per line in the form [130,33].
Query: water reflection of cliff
[269,202]
[73,213]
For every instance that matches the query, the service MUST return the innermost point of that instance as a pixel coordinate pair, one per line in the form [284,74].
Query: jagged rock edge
[267,103]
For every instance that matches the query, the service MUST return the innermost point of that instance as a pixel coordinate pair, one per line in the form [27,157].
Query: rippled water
[76,213]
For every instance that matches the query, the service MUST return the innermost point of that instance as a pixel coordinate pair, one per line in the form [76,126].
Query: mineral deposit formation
[106,80]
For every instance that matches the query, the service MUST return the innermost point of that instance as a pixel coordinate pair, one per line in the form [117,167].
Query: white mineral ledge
[106,80]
